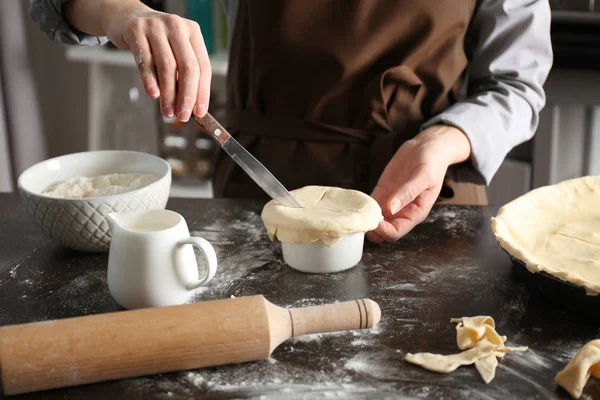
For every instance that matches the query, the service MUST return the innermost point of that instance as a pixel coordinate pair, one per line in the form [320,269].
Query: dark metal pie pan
[555,291]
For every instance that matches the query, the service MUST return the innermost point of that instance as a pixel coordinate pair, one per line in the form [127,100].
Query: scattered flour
[13,271]
[263,378]
[373,365]
[404,286]
[356,338]
[452,219]
[360,342]
[82,295]
[81,187]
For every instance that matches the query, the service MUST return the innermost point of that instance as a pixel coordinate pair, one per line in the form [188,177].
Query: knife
[246,161]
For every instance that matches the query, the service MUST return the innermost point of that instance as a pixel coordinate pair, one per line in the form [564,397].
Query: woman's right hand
[169,51]
[412,180]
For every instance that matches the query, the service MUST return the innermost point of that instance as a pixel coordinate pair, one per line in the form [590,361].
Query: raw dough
[328,214]
[486,366]
[482,346]
[81,187]
[444,364]
[470,330]
[556,229]
[586,363]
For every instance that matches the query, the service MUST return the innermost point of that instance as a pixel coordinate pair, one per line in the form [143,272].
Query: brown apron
[324,92]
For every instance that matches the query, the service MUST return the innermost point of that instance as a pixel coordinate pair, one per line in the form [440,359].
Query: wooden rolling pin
[73,351]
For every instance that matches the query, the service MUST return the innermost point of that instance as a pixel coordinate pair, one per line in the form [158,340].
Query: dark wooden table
[450,266]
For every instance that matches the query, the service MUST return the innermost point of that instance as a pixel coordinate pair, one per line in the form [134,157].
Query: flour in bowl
[80,187]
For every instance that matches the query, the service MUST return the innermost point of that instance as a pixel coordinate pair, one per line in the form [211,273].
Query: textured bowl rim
[112,196]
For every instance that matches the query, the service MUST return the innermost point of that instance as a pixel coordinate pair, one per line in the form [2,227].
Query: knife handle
[212,127]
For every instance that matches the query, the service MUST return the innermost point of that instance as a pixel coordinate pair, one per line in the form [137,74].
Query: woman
[359,94]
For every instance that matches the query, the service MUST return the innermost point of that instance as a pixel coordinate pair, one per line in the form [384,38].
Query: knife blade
[255,170]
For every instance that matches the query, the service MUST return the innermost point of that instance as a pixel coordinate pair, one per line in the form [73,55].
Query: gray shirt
[503,93]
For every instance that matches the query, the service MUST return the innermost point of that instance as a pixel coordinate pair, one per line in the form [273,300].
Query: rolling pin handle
[349,315]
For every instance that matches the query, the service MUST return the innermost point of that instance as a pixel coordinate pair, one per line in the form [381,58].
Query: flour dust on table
[83,292]
[280,377]
[452,220]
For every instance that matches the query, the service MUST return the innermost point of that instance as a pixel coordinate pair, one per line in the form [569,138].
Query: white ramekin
[317,258]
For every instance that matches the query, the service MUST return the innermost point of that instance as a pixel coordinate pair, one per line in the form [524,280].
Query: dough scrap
[445,364]
[470,330]
[584,364]
[481,345]
[328,214]
[486,366]
[556,229]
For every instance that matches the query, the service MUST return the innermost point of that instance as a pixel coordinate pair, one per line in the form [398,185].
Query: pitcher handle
[210,258]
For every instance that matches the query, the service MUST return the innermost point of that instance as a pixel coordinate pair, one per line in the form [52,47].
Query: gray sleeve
[511,59]
[48,15]
[231,7]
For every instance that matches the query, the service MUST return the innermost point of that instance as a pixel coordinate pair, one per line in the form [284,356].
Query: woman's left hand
[412,180]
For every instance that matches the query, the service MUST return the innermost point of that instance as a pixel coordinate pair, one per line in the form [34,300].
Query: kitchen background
[92,98]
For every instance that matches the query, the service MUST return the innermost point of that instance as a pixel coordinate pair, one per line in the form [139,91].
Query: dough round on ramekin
[556,229]
[327,214]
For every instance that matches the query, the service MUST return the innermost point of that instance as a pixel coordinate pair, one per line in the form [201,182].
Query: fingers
[395,227]
[408,192]
[145,65]
[203,95]
[391,230]
[399,226]
[374,237]
[135,40]
[188,69]
[382,194]
[166,68]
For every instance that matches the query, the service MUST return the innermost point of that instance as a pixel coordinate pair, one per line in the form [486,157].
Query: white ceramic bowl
[317,258]
[81,224]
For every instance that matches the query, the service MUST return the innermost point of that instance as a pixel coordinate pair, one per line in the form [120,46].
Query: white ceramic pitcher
[151,260]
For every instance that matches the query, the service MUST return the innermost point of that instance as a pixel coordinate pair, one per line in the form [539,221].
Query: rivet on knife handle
[246,161]
[212,128]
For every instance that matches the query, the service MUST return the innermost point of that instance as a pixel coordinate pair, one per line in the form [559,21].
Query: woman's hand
[412,180]
[169,50]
